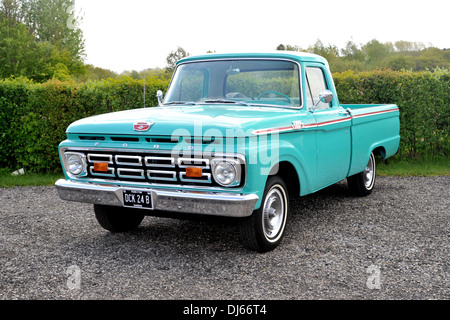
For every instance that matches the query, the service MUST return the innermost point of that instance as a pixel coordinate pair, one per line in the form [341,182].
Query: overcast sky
[137,34]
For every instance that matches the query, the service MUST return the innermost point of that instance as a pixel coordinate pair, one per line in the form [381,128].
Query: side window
[316,84]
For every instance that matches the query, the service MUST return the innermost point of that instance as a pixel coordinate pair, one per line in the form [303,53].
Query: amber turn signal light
[101,167]
[193,172]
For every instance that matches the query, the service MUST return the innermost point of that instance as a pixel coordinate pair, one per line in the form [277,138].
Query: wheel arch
[379,151]
[289,174]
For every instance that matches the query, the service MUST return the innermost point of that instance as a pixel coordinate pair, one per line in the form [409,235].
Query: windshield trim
[258,59]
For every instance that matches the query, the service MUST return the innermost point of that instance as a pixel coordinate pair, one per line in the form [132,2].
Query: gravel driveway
[393,244]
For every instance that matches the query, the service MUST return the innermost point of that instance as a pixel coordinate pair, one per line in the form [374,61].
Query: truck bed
[373,126]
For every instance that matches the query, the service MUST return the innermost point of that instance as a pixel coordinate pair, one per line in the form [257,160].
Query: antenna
[144,91]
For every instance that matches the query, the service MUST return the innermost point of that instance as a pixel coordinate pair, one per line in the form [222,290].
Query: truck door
[333,134]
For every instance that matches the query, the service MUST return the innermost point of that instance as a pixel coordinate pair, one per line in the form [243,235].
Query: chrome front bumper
[207,203]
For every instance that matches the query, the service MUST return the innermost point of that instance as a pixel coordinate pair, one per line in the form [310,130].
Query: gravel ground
[393,244]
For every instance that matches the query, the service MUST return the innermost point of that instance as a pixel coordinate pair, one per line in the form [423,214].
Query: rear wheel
[264,229]
[118,219]
[362,183]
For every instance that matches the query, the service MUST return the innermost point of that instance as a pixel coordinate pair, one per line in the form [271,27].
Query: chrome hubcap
[369,173]
[273,213]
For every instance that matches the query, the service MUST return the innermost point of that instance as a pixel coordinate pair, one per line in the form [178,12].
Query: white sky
[137,34]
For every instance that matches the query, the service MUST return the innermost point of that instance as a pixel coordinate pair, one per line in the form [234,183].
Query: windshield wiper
[171,103]
[226,101]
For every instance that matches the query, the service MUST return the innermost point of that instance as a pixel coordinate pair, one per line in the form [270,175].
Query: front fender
[264,159]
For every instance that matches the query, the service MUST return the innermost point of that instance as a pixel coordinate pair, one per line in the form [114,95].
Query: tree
[174,56]
[352,51]
[39,39]
[289,47]
[329,52]
[406,46]
[55,21]
[16,47]
[375,52]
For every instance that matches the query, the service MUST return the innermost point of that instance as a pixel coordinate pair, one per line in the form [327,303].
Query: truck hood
[180,120]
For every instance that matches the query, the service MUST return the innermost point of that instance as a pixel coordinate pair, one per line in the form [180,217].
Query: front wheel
[264,229]
[362,183]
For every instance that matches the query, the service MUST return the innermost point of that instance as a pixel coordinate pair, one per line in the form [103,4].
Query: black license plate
[137,199]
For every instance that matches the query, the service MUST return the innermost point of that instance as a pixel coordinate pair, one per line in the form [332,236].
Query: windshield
[246,82]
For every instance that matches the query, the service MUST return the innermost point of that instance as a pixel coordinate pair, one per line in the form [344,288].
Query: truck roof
[291,55]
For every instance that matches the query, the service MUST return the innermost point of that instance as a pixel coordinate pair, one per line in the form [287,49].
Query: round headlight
[225,173]
[75,164]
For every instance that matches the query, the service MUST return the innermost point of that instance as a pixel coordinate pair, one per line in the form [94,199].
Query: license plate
[137,199]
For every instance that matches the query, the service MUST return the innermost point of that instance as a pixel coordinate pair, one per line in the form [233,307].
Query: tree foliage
[174,56]
[401,55]
[40,39]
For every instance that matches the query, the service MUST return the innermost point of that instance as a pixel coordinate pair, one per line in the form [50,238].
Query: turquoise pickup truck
[235,135]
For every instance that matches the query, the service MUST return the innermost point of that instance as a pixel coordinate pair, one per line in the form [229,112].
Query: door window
[316,84]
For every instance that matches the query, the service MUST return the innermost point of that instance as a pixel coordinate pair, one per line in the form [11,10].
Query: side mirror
[159,96]
[325,96]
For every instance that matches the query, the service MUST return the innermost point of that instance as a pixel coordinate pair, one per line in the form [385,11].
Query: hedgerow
[423,99]
[34,117]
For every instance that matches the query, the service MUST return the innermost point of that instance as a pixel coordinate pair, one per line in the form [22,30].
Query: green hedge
[423,99]
[34,117]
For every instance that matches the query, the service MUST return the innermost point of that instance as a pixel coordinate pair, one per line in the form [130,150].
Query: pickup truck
[235,135]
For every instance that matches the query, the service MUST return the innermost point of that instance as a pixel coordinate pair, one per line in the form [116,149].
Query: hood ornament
[142,126]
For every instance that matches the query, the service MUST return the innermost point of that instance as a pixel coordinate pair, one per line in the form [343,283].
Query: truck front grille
[149,167]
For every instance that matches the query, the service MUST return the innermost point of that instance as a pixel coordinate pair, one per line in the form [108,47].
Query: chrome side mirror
[325,96]
[159,96]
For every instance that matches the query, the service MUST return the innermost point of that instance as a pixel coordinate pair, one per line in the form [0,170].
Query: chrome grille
[154,168]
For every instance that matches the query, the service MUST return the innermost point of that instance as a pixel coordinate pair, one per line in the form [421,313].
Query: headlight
[75,163]
[226,172]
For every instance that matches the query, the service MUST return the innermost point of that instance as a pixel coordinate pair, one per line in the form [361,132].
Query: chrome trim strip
[136,164]
[173,173]
[112,174]
[109,158]
[207,203]
[207,175]
[195,162]
[121,175]
[158,165]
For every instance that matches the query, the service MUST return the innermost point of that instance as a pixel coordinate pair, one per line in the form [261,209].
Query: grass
[30,179]
[422,168]
[399,168]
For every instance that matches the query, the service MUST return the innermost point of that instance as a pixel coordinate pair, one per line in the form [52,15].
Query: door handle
[347,112]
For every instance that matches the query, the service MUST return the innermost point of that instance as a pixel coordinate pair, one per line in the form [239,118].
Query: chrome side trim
[206,203]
